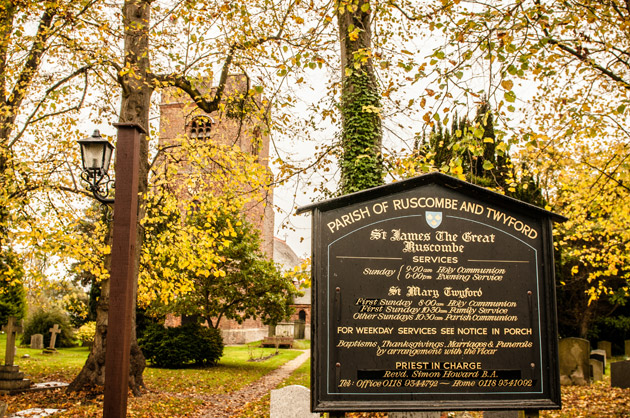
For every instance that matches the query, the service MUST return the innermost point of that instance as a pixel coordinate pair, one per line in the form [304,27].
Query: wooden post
[122,271]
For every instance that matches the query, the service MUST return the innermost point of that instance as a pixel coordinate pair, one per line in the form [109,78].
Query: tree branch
[33,61]
[586,60]
[577,54]
[32,119]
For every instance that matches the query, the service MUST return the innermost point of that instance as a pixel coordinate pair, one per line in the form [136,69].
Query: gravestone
[37,341]
[11,328]
[3,409]
[36,413]
[500,414]
[606,346]
[627,347]
[597,370]
[620,374]
[414,415]
[285,329]
[53,336]
[38,387]
[291,401]
[574,361]
[599,355]
[11,379]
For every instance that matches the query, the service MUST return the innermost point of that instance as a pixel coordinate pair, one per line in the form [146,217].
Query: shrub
[615,329]
[86,333]
[42,321]
[180,346]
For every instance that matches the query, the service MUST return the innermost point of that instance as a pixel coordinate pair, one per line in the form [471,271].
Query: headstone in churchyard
[53,340]
[599,355]
[37,341]
[606,346]
[285,329]
[11,379]
[11,328]
[36,413]
[627,348]
[574,361]
[433,291]
[3,409]
[48,386]
[620,374]
[53,336]
[413,415]
[597,370]
[291,401]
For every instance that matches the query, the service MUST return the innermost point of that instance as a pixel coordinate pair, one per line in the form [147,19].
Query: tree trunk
[361,132]
[4,183]
[585,319]
[136,101]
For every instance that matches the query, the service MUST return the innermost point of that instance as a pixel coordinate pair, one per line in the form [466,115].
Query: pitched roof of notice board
[433,178]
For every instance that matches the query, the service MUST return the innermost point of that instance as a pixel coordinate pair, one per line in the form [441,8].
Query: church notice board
[433,294]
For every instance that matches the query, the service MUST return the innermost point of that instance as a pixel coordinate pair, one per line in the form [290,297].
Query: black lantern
[96,154]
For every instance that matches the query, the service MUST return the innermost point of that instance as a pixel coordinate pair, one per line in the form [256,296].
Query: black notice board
[433,294]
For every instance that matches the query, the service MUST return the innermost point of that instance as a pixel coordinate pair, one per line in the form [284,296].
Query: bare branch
[33,61]
[32,119]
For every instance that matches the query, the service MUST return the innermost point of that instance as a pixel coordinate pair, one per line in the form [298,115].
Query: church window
[200,127]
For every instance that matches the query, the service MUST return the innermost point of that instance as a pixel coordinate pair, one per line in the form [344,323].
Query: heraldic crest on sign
[434,219]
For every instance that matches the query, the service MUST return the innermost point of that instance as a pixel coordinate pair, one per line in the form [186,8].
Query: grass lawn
[170,393]
[233,372]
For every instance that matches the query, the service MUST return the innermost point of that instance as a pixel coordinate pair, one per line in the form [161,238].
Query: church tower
[231,126]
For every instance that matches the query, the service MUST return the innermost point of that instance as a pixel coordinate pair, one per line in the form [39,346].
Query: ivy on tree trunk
[361,132]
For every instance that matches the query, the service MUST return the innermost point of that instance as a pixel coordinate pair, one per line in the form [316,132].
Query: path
[226,404]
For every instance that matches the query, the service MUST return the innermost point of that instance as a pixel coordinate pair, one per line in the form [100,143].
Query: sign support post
[119,317]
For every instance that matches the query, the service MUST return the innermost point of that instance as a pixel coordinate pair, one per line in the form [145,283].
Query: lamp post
[96,154]
[123,253]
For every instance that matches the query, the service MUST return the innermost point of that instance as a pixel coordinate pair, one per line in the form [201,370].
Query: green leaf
[510,96]
[487,165]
